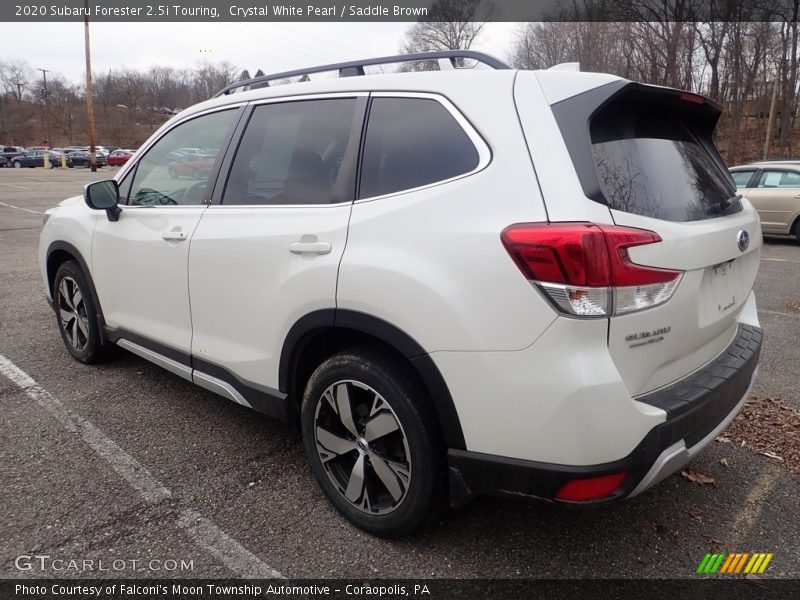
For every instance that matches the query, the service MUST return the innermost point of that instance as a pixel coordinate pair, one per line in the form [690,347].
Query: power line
[272,38]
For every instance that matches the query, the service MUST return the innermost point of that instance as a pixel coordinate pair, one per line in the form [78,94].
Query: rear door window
[779,179]
[293,153]
[412,142]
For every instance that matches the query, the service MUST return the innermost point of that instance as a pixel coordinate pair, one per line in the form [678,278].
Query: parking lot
[230,491]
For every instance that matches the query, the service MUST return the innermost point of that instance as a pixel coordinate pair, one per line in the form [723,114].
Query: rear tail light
[584,269]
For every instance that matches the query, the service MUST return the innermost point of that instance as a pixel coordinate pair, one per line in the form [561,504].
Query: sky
[272,47]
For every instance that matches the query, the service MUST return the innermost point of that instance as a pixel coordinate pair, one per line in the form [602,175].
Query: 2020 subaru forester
[459,282]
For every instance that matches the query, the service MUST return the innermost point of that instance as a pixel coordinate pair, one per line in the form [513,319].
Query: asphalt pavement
[127,462]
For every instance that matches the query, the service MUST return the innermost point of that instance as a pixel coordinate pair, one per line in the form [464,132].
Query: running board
[262,399]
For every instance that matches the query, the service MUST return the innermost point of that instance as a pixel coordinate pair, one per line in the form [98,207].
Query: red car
[119,157]
[196,166]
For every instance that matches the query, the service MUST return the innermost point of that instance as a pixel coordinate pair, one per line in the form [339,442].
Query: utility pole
[770,117]
[46,107]
[89,93]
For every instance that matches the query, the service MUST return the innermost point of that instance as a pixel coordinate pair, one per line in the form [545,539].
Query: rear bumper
[697,408]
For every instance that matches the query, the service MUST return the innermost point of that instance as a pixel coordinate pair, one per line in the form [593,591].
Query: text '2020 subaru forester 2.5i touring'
[458,282]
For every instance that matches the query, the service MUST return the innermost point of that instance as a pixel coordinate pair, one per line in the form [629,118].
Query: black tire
[89,347]
[796,229]
[17,164]
[416,443]
[86,164]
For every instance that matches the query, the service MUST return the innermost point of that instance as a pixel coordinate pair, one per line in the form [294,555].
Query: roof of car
[768,164]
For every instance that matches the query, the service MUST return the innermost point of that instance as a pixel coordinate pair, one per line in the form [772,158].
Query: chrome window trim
[481,146]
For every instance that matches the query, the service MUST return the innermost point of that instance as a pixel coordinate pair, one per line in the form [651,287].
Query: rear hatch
[647,153]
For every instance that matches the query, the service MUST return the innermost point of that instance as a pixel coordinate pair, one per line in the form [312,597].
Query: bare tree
[451,25]
[15,77]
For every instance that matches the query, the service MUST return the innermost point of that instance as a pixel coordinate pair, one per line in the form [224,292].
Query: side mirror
[103,195]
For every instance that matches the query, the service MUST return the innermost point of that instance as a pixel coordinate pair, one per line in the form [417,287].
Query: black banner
[395,10]
[334,589]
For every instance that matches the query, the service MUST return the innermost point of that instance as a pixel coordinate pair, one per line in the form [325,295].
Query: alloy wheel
[72,314]
[362,447]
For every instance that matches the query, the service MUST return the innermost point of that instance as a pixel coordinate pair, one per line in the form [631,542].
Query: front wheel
[373,443]
[17,164]
[76,314]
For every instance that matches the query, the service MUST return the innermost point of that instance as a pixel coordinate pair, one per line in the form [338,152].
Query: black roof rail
[356,67]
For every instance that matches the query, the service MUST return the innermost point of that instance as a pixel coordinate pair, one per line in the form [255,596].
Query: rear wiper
[725,203]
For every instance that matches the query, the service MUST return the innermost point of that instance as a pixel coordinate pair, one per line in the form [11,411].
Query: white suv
[456,282]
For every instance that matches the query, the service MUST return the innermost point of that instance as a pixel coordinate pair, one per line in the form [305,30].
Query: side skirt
[210,376]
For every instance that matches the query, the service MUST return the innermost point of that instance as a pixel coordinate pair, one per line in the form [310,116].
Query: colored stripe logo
[734,562]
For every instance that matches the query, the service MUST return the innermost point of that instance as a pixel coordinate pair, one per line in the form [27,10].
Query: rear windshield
[653,166]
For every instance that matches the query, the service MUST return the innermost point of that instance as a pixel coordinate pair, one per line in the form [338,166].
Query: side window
[412,142]
[125,186]
[779,179]
[789,179]
[169,175]
[741,178]
[292,153]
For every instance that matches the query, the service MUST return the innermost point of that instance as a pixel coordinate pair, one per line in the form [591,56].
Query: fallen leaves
[770,427]
[771,455]
[697,477]
[794,304]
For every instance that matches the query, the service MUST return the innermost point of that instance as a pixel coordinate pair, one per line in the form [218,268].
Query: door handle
[309,244]
[174,236]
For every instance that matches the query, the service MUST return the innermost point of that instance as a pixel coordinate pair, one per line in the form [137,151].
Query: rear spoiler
[575,115]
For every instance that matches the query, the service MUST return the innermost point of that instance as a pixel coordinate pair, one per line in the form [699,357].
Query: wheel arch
[57,254]
[322,333]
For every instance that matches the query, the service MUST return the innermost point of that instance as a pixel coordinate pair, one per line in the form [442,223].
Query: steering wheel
[195,193]
[150,197]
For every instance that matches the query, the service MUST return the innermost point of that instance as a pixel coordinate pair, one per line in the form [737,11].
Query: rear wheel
[796,229]
[86,164]
[373,443]
[76,314]
[17,164]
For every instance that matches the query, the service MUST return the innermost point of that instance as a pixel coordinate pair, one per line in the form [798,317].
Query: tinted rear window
[653,166]
[412,142]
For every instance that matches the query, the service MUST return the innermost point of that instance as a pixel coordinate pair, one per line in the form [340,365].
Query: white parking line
[203,531]
[233,555]
[753,505]
[781,260]
[36,212]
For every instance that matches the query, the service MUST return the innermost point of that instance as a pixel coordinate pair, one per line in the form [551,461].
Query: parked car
[9,152]
[119,157]
[197,166]
[455,283]
[181,153]
[84,159]
[36,158]
[773,188]
[3,161]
